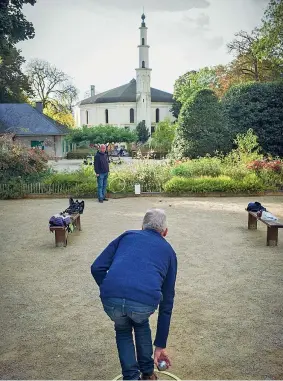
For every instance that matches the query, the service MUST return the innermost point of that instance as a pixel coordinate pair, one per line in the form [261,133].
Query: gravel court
[228,317]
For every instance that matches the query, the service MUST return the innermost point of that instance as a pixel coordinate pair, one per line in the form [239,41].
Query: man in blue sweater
[101,167]
[136,273]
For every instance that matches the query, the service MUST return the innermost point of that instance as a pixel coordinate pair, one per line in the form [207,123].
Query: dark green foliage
[13,25]
[201,128]
[13,83]
[176,108]
[142,132]
[258,106]
[13,28]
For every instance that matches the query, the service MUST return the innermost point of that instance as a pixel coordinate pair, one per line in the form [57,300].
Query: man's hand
[160,354]
[97,174]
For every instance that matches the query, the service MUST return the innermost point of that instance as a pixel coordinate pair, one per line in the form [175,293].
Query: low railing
[38,188]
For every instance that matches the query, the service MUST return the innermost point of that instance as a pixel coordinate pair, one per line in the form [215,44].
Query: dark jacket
[140,265]
[101,164]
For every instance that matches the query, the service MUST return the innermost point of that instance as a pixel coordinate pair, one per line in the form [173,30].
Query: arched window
[132,115]
[142,41]
[86,117]
[157,115]
[106,116]
[143,64]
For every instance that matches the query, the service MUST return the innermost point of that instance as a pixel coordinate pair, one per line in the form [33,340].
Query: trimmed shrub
[205,166]
[213,184]
[84,189]
[201,127]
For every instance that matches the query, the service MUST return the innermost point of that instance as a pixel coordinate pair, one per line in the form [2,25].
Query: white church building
[129,104]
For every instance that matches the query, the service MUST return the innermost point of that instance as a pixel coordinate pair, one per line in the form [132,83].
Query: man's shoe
[101,201]
[152,377]
[105,199]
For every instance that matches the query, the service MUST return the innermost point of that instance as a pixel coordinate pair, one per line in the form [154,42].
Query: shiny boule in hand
[162,365]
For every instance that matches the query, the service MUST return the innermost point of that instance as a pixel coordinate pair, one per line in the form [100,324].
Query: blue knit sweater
[140,265]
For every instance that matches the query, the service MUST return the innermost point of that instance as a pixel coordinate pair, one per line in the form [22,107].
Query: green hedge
[249,184]
[206,166]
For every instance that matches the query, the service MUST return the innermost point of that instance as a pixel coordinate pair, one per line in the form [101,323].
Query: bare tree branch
[48,82]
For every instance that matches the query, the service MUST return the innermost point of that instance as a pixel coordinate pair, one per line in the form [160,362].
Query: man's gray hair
[155,219]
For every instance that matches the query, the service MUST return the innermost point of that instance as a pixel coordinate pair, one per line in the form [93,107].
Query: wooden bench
[61,232]
[272,228]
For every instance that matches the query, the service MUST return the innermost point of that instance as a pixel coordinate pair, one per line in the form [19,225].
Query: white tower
[143,79]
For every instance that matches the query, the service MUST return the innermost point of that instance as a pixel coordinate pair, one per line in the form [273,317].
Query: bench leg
[78,223]
[272,236]
[61,238]
[252,222]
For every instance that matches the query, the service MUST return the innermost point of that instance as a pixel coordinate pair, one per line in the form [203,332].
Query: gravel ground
[228,316]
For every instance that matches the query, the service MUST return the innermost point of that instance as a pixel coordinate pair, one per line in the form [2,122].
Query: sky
[95,41]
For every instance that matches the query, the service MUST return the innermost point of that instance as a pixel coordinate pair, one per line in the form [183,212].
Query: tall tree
[258,106]
[164,135]
[50,83]
[14,85]
[13,25]
[201,127]
[60,114]
[271,43]
[142,132]
[248,61]
[13,28]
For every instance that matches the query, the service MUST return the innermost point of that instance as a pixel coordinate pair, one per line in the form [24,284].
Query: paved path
[73,165]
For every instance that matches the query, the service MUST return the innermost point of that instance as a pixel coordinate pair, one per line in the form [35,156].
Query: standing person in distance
[101,168]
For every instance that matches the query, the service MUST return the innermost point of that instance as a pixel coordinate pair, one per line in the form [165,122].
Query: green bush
[214,184]
[65,178]
[12,189]
[272,180]
[237,172]
[258,106]
[201,127]
[205,166]
[252,183]
[16,160]
[84,189]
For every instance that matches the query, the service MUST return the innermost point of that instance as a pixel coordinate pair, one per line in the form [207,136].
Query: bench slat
[268,223]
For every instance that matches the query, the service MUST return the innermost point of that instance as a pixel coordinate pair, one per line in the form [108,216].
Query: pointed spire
[143,18]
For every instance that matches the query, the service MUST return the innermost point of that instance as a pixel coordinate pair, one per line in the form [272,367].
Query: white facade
[128,110]
[119,114]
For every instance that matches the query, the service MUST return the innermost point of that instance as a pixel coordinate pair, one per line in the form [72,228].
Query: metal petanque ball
[162,365]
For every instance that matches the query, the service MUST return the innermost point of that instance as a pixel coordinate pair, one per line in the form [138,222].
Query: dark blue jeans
[128,315]
[102,185]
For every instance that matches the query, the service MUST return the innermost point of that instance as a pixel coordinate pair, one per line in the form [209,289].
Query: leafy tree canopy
[14,28]
[164,135]
[258,106]
[201,128]
[102,134]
